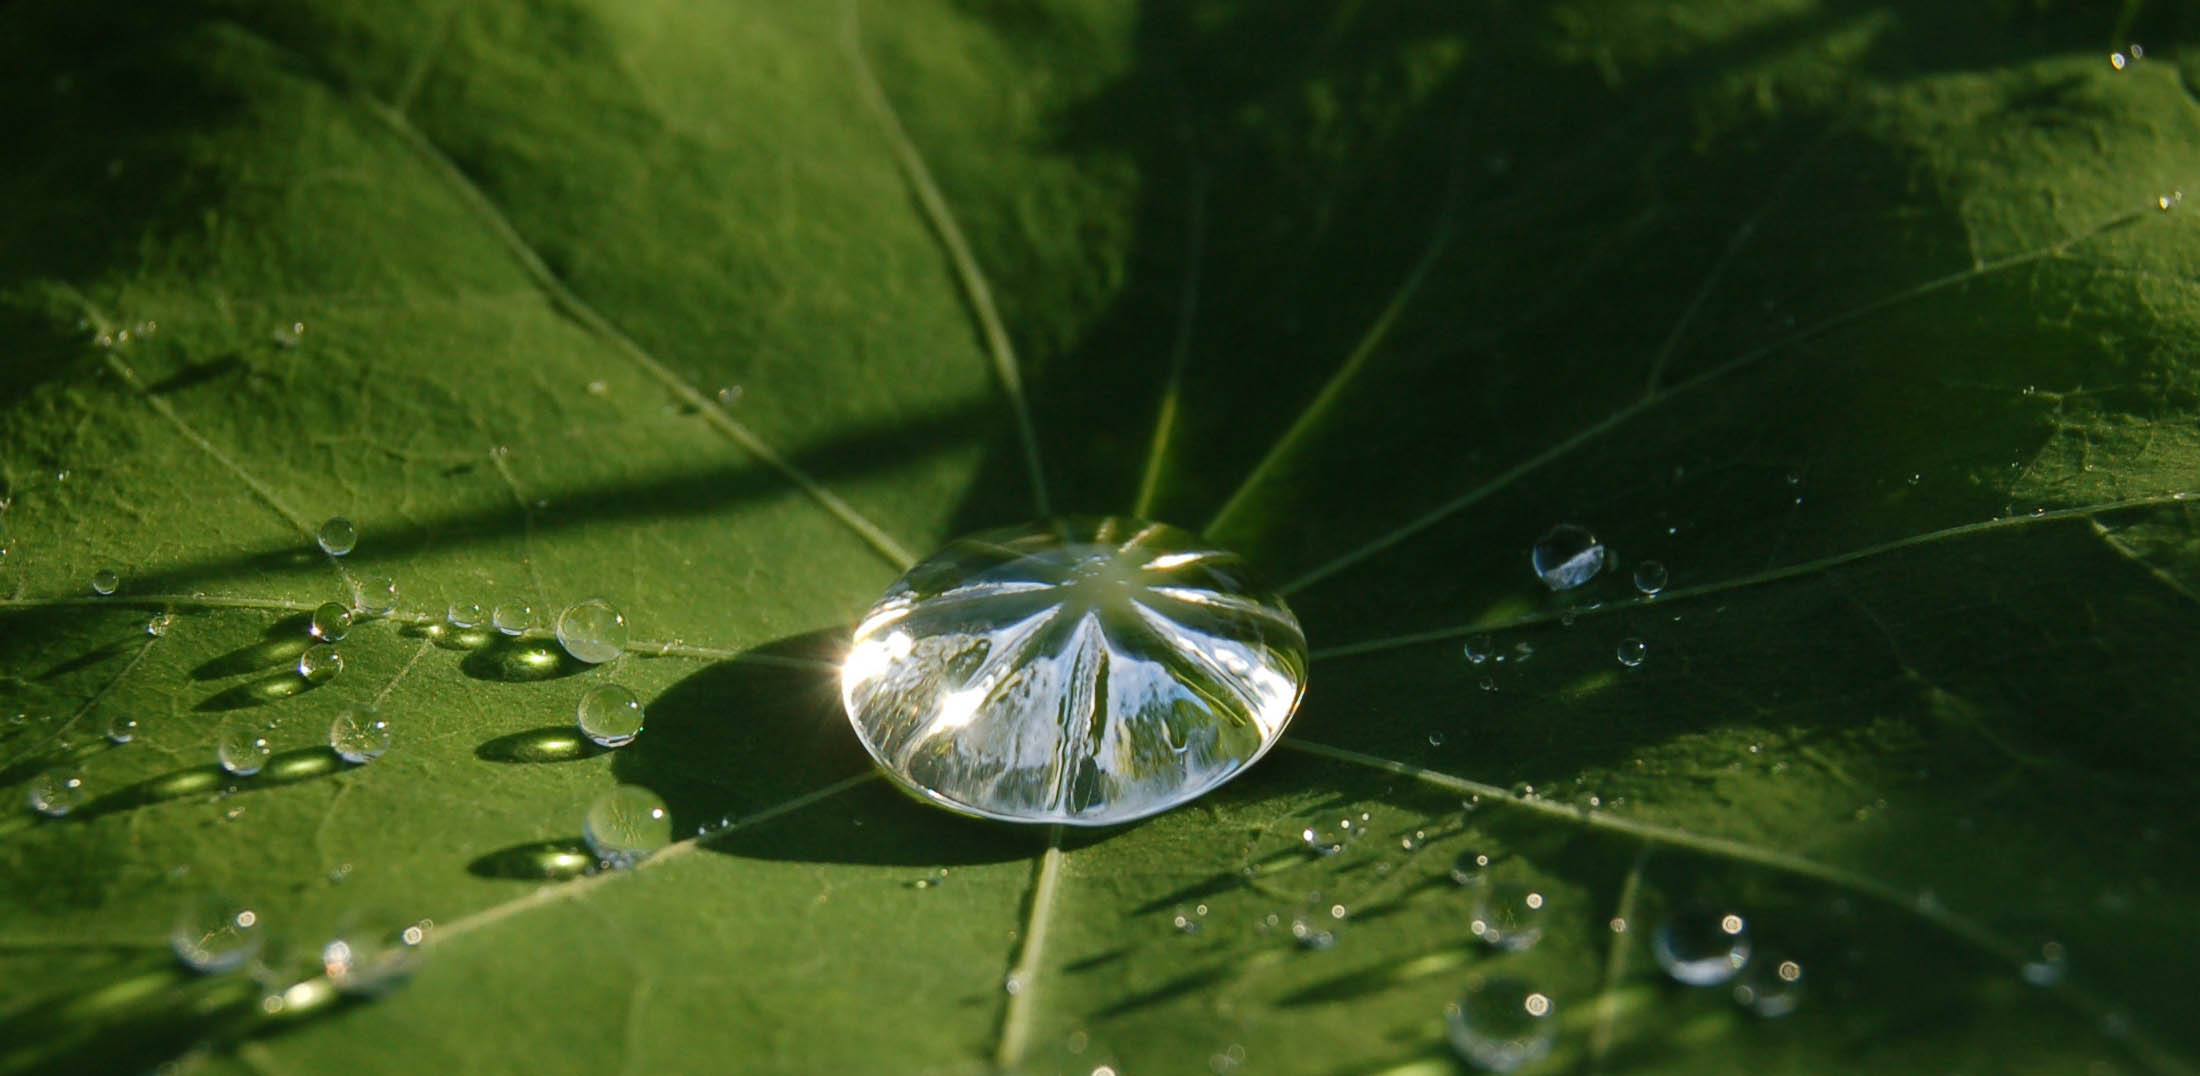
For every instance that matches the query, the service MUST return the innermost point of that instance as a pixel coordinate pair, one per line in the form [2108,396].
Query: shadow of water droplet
[519,661]
[272,688]
[284,641]
[551,743]
[448,637]
[288,768]
[552,860]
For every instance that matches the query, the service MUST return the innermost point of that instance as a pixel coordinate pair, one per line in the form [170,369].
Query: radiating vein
[968,275]
[1969,930]
[1023,975]
[1180,350]
[63,728]
[578,309]
[1812,567]
[1653,400]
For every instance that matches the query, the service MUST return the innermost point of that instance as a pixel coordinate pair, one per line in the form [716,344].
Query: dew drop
[1321,842]
[242,747]
[1312,933]
[337,536]
[359,736]
[1631,651]
[214,933]
[2138,52]
[1771,986]
[1701,946]
[1500,1025]
[626,825]
[331,622]
[1650,577]
[104,582]
[374,595]
[159,624]
[592,631]
[2047,967]
[320,663]
[983,678]
[2116,60]
[56,792]
[463,615]
[121,728]
[1508,916]
[1436,738]
[1478,648]
[513,616]
[1468,868]
[368,955]
[1567,557]
[610,715]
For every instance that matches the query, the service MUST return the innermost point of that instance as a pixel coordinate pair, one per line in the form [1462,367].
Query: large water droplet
[1567,557]
[1084,671]
[1500,1025]
[610,715]
[320,663]
[359,736]
[242,747]
[1771,986]
[337,536]
[214,933]
[331,622]
[592,631]
[513,616]
[626,825]
[104,582]
[1702,946]
[1508,915]
[56,792]
[464,614]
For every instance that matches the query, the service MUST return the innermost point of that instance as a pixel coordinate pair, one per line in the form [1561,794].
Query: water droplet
[1436,738]
[464,615]
[369,955]
[1508,916]
[1477,648]
[1189,921]
[592,631]
[337,536]
[610,715]
[1631,651]
[104,582]
[214,933]
[331,622]
[1468,867]
[1771,986]
[1701,946]
[513,616]
[374,595]
[1321,842]
[2138,52]
[56,792]
[626,825]
[1500,1025]
[1313,933]
[121,728]
[1086,671]
[2048,966]
[1567,557]
[289,336]
[1650,576]
[728,395]
[242,747]
[359,736]
[2116,60]
[320,663]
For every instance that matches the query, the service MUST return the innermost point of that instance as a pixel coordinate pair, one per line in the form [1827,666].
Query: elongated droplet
[592,631]
[337,536]
[359,736]
[1702,946]
[1567,557]
[1085,671]
[214,933]
[626,825]
[1500,1025]
[610,715]
[331,622]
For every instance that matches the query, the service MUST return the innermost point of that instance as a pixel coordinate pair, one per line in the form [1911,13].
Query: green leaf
[1873,323]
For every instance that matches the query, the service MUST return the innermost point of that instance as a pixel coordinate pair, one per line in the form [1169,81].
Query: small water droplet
[331,622]
[289,336]
[1312,933]
[1500,1025]
[1477,648]
[1631,651]
[1701,946]
[610,715]
[1468,868]
[56,792]
[359,736]
[2048,966]
[2116,60]
[513,616]
[1508,916]
[626,825]
[592,631]
[214,933]
[1914,478]
[1488,684]
[121,728]
[464,615]
[374,595]
[1187,922]
[320,663]
[1567,557]
[1436,738]
[1650,576]
[242,747]
[1522,790]
[337,536]
[104,582]
[728,395]
[369,955]
[1771,986]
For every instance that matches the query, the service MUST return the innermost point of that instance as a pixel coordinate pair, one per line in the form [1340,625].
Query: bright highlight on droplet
[1086,671]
